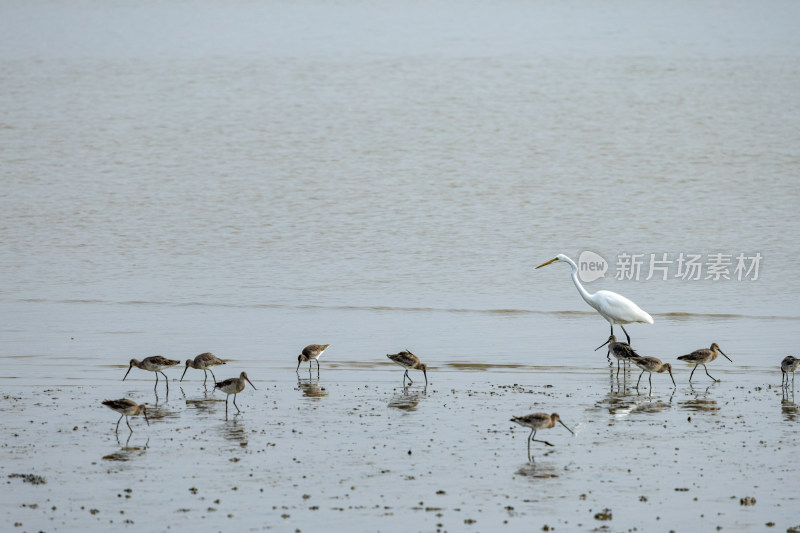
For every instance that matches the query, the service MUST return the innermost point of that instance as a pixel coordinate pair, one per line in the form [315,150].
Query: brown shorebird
[155,364]
[204,361]
[233,386]
[537,421]
[789,364]
[651,364]
[621,350]
[312,351]
[126,408]
[409,361]
[701,357]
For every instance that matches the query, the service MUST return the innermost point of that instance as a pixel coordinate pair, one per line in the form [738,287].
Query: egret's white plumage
[612,306]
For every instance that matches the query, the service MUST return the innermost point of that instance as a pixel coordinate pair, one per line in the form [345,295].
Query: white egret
[612,306]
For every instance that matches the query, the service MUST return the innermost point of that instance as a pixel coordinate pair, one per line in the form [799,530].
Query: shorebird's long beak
[563,424]
[184,372]
[726,357]
[609,340]
[547,263]
[251,383]
[144,412]
[128,372]
[425,373]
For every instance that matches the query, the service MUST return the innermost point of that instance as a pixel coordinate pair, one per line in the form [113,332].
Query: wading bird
[155,364]
[612,306]
[409,361]
[537,421]
[309,353]
[204,361]
[621,350]
[233,386]
[126,408]
[789,364]
[701,357]
[651,364]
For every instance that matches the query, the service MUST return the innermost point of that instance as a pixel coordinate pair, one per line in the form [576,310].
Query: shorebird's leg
[626,333]
[692,374]
[165,380]
[709,375]
[617,367]
[533,432]
[298,365]
[640,379]
[156,385]
[783,378]
[129,424]
[213,376]
[317,367]
[651,381]
[118,421]
[205,377]
[234,404]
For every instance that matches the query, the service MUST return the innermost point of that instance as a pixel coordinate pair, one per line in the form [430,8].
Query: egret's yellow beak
[547,263]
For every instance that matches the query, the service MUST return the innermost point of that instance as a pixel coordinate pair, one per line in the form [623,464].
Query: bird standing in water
[126,408]
[538,421]
[233,386]
[309,353]
[701,357]
[409,361]
[612,306]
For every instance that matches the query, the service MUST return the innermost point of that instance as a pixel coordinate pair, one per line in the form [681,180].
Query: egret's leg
[626,333]
[709,375]
[118,421]
[129,424]
[692,374]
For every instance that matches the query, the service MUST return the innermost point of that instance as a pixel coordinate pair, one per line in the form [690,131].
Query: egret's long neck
[584,294]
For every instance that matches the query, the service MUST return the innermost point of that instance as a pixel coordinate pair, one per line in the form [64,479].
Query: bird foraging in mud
[409,361]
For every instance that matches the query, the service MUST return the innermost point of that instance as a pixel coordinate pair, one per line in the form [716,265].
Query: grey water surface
[248,178]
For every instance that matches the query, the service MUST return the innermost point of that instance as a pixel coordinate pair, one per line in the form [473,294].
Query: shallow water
[247,179]
[308,452]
